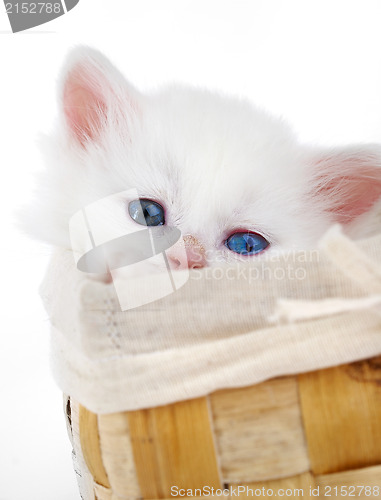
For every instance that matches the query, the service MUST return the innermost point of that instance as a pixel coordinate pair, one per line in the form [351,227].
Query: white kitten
[216,165]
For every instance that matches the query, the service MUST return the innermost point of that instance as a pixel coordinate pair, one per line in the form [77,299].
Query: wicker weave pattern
[320,429]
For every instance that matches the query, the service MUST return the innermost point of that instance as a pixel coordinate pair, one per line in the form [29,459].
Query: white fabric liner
[216,331]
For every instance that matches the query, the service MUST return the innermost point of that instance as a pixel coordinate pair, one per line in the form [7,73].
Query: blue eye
[146,212]
[246,243]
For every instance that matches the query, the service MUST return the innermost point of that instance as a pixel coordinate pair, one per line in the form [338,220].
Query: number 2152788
[33,8]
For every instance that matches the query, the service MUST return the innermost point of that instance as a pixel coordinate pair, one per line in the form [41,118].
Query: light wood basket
[312,432]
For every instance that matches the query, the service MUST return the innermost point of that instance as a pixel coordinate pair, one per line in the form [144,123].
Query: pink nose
[193,257]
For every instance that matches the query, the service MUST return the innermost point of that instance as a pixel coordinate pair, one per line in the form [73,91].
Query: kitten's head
[232,179]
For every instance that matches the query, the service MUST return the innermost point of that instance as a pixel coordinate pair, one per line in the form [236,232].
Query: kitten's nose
[194,258]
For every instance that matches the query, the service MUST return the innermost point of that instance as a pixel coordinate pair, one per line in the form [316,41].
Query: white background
[317,63]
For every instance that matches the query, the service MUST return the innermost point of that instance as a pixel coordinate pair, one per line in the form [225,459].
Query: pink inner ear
[352,194]
[84,105]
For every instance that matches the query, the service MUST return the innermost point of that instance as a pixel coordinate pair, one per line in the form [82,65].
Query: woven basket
[314,435]
[314,431]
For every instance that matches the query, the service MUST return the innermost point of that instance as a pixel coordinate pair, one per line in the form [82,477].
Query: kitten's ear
[347,182]
[94,95]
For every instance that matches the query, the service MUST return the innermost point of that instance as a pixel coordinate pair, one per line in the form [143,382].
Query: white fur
[215,163]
